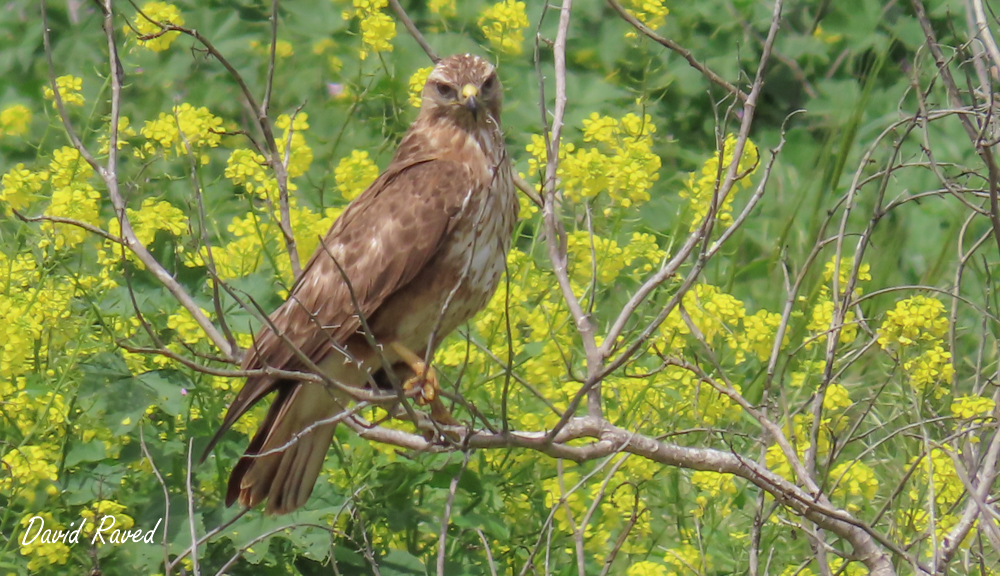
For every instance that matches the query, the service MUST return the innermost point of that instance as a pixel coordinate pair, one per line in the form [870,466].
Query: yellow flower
[652,13]
[96,515]
[919,318]
[503,25]
[445,8]
[646,568]
[700,187]
[417,82]
[822,317]
[354,173]
[622,161]
[19,185]
[712,312]
[69,91]
[300,156]
[68,167]
[157,12]
[43,554]
[14,120]
[967,407]
[855,479]
[826,37]
[78,201]
[246,168]
[154,215]
[836,397]
[184,324]
[685,557]
[26,468]
[845,270]
[282,48]
[930,369]
[759,331]
[323,46]
[199,127]
[124,132]
[377,28]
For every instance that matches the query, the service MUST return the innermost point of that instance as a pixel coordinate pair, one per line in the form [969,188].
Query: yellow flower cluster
[826,37]
[354,174]
[257,238]
[611,511]
[716,491]
[855,479]
[152,216]
[621,162]
[96,513]
[155,215]
[612,259]
[916,319]
[701,187]
[698,401]
[929,370]
[80,203]
[186,126]
[935,473]
[916,327]
[836,397]
[300,155]
[44,554]
[14,120]
[687,559]
[777,462]
[322,47]
[759,330]
[19,186]
[377,28]
[125,131]
[445,8]
[417,82]
[646,568]
[652,13]
[821,316]
[248,169]
[26,468]
[282,48]
[72,197]
[243,254]
[845,269]
[30,300]
[852,569]
[968,407]
[69,91]
[718,315]
[503,25]
[156,13]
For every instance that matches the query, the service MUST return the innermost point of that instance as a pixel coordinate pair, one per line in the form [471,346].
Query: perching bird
[422,249]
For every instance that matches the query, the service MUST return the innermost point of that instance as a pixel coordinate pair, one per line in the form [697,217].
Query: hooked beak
[469,94]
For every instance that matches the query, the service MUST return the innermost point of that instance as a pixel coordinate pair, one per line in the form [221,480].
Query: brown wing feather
[381,241]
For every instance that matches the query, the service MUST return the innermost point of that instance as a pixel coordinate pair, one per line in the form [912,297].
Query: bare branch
[684,53]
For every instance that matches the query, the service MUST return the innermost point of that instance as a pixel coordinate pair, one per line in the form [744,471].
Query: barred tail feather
[285,478]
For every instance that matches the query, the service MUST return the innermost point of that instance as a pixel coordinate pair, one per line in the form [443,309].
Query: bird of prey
[413,257]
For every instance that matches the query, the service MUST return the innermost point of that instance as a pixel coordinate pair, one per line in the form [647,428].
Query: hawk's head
[464,88]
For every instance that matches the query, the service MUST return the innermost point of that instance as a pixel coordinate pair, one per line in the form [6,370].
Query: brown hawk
[417,254]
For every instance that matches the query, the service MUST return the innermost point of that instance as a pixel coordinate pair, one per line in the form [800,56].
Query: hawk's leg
[426,380]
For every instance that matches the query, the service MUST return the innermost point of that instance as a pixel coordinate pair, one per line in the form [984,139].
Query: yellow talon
[425,379]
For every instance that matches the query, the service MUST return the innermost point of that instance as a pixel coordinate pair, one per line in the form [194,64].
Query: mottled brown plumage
[423,249]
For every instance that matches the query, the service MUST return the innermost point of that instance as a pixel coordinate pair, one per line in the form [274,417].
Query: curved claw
[425,379]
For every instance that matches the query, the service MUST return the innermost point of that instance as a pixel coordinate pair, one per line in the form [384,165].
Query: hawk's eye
[446,91]
[490,83]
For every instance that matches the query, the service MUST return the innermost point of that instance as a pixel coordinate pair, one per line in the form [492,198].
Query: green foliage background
[77,407]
